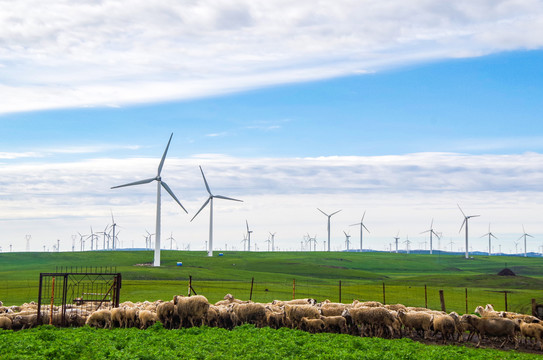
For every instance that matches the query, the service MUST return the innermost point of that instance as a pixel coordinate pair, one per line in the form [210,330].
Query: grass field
[244,342]
[316,275]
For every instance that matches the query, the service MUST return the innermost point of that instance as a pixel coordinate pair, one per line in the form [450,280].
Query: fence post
[190,284]
[466,300]
[293,289]
[251,294]
[425,297]
[534,308]
[339,290]
[442,299]
[505,293]
[384,298]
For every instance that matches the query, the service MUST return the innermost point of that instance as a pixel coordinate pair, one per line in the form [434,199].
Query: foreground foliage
[245,342]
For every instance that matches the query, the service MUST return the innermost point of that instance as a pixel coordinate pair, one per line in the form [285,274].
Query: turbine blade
[334,213]
[205,181]
[203,206]
[146,181]
[439,237]
[247,223]
[364,214]
[432,224]
[425,231]
[165,186]
[225,198]
[322,212]
[164,157]
[112,219]
[461,210]
[529,235]
[493,236]
[364,226]
[356,224]
[463,222]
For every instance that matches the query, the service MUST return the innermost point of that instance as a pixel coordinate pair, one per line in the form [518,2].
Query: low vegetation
[244,342]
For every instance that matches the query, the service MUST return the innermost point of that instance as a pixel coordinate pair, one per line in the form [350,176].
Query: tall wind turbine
[362,227]
[432,232]
[396,238]
[273,241]
[248,236]
[269,242]
[524,236]
[490,236]
[465,222]
[329,216]
[210,201]
[160,184]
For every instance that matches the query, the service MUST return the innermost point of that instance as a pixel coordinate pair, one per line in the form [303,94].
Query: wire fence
[461,300]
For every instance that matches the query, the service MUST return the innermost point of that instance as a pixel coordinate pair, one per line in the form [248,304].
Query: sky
[400,110]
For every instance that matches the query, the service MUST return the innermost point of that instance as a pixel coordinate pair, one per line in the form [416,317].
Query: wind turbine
[210,201]
[244,241]
[160,183]
[171,241]
[490,236]
[524,236]
[269,243]
[362,227]
[248,236]
[104,233]
[396,238]
[113,237]
[465,222]
[432,232]
[347,241]
[273,240]
[82,241]
[329,216]
[407,242]
[93,236]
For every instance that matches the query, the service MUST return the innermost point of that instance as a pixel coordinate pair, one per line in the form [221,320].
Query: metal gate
[68,295]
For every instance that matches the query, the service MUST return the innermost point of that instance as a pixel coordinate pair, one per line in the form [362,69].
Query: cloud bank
[110,53]
[400,193]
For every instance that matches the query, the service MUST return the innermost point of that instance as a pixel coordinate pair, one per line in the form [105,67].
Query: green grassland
[244,342]
[317,275]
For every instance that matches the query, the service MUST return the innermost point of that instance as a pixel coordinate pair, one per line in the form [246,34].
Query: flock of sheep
[358,318]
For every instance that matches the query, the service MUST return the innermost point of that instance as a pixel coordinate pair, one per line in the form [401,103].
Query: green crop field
[388,277]
[244,342]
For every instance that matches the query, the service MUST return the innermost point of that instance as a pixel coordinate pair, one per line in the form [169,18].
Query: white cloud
[400,193]
[109,53]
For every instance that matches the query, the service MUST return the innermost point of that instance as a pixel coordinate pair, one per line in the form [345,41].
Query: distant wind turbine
[269,243]
[362,227]
[432,232]
[396,238]
[465,222]
[273,241]
[347,240]
[248,236]
[407,242]
[524,236]
[160,184]
[329,216]
[210,201]
[490,236]
[244,241]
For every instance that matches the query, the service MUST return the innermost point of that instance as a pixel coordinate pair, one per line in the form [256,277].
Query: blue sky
[343,107]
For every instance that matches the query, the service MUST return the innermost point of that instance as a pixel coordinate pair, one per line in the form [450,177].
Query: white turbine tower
[465,222]
[273,241]
[210,201]
[432,232]
[160,184]
[396,238]
[524,236]
[248,236]
[362,227]
[490,236]
[329,216]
